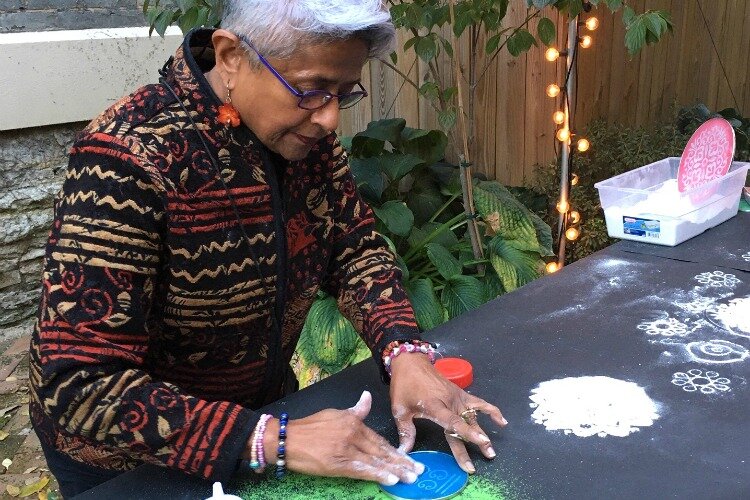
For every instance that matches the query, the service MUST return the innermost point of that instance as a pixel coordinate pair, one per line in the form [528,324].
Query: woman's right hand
[337,443]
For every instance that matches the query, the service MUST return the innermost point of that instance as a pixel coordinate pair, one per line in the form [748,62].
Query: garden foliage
[416,198]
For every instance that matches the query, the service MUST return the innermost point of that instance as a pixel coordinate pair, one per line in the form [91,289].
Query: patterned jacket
[156,336]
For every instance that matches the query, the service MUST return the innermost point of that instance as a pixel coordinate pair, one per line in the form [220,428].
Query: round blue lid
[442,478]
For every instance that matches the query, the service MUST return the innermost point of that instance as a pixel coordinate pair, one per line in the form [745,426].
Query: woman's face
[270,110]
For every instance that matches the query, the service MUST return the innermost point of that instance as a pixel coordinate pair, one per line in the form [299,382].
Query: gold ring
[469,416]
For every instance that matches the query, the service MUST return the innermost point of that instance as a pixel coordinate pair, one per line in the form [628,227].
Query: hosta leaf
[384,130]
[361,353]
[493,286]
[416,236]
[505,215]
[428,145]
[446,264]
[461,294]
[327,339]
[367,175]
[514,267]
[446,238]
[424,199]
[427,307]
[396,216]
[397,165]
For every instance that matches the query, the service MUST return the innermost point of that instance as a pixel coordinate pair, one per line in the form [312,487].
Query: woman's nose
[327,116]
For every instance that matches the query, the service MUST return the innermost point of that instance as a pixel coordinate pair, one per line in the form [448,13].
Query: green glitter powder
[299,486]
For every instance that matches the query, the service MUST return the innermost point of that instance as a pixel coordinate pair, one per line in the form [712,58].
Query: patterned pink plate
[708,154]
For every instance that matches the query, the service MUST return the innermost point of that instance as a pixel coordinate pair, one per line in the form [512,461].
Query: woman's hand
[337,443]
[419,391]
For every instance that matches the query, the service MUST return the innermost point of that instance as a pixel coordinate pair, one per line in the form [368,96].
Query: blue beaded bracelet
[281,451]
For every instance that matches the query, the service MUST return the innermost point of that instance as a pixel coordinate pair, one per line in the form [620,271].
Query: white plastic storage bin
[645,204]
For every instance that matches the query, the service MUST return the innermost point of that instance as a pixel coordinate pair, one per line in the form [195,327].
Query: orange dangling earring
[228,114]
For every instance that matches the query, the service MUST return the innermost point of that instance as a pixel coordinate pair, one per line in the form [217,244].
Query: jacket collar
[185,73]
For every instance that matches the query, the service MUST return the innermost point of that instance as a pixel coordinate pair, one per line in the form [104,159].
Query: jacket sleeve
[363,273]
[90,347]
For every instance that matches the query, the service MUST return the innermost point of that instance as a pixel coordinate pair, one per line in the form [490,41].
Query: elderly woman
[198,219]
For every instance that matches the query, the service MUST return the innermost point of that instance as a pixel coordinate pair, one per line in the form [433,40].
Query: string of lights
[569,219]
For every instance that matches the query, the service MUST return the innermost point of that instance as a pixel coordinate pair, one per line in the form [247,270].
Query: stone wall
[32,167]
[48,15]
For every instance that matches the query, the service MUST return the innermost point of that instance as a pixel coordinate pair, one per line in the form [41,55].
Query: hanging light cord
[718,56]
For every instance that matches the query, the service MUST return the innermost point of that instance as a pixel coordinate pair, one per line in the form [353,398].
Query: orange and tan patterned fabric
[156,336]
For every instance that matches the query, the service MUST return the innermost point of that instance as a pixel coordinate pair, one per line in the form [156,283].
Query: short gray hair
[277,27]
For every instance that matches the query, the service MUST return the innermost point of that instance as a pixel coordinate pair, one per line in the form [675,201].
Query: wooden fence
[513,127]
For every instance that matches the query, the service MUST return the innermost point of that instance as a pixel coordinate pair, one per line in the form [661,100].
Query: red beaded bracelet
[397,347]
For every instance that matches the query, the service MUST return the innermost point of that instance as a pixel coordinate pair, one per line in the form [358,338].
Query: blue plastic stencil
[442,478]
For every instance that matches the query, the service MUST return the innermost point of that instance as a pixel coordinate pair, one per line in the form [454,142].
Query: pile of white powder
[588,406]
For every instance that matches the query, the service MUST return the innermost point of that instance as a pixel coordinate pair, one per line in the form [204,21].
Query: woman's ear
[229,55]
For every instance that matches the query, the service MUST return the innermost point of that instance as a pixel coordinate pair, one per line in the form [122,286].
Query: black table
[581,321]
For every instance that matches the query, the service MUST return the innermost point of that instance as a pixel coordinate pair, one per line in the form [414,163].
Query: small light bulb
[574,180]
[552,267]
[563,134]
[583,145]
[553,90]
[562,206]
[575,217]
[586,41]
[592,23]
[552,54]
[558,117]
[572,233]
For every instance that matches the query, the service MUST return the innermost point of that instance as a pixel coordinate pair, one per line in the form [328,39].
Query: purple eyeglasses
[312,99]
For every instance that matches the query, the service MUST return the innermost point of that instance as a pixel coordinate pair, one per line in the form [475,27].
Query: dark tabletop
[581,321]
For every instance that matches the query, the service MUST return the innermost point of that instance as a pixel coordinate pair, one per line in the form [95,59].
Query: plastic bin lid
[707,155]
[457,370]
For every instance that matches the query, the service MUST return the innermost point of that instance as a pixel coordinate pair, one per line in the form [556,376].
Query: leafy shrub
[416,198]
[615,149]
[690,118]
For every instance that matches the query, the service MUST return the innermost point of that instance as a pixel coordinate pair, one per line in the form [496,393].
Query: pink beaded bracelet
[257,453]
[396,347]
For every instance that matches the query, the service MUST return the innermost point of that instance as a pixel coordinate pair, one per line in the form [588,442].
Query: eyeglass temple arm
[270,68]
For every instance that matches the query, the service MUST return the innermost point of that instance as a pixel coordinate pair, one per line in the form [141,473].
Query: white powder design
[717,279]
[596,405]
[734,316]
[669,327]
[746,257]
[697,305]
[717,351]
[695,380]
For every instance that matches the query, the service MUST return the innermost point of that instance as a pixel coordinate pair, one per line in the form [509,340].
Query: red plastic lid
[457,370]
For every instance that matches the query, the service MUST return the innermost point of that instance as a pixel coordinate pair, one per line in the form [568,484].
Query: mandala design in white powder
[733,316]
[697,306]
[669,327]
[717,279]
[717,351]
[589,406]
[695,380]
[746,257]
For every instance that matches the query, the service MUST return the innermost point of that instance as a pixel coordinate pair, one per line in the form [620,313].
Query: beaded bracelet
[281,451]
[393,349]
[257,453]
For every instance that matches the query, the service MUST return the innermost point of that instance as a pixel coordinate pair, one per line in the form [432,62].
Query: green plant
[616,149]
[690,118]
[416,198]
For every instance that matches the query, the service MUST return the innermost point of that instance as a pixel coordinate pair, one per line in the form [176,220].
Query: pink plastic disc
[708,154]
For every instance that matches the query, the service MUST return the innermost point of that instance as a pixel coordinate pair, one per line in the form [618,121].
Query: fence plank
[512,124]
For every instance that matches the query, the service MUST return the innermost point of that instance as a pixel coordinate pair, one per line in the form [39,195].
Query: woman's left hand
[419,391]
